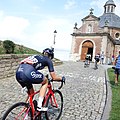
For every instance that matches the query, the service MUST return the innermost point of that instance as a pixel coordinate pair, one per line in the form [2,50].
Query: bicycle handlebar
[61,85]
[51,80]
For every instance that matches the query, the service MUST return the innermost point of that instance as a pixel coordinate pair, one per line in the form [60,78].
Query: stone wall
[9,64]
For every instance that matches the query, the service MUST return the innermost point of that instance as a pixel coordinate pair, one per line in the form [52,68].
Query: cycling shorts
[27,75]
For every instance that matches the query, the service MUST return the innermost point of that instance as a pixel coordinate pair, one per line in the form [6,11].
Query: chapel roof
[109,15]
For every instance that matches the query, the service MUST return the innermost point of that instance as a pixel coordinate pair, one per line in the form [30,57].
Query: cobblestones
[84,92]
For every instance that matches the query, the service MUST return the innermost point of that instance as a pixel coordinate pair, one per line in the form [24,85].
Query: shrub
[9,46]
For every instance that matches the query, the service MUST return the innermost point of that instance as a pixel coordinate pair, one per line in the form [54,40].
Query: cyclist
[87,60]
[28,74]
[97,58]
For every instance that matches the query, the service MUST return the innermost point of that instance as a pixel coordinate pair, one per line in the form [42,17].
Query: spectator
[102,58]
[113,57]
[117,68]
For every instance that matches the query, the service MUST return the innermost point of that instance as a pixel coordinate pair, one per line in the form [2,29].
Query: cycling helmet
[50,52]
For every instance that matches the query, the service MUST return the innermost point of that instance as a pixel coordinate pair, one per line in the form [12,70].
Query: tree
[8,46]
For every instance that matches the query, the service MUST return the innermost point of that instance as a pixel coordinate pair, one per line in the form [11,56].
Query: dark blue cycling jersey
[39,62]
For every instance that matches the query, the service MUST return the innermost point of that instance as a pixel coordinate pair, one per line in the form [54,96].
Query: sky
[32,22]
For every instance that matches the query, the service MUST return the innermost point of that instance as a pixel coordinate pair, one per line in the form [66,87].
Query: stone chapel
[97,35]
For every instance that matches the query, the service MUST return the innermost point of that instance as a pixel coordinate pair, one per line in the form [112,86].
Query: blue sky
[32,22]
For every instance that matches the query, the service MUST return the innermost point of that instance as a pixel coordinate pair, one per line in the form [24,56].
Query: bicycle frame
[31,101]
[28,108]
[50,92]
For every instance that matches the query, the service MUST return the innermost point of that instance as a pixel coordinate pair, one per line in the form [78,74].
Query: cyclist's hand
[63,79]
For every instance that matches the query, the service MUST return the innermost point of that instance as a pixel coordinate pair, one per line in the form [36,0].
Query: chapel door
[87,48]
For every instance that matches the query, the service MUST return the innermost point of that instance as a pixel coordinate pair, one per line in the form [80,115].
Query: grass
[115,108]
[19,49]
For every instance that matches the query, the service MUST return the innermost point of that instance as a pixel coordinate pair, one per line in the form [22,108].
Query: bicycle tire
[18,111]
[53,112]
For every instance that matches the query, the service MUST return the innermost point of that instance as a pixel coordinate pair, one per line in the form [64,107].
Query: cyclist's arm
[54,76]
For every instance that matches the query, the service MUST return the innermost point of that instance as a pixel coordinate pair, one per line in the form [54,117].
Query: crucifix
[91,11]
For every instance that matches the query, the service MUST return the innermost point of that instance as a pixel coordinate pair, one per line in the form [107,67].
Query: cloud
[70,4]
[36,35]
[44,37]
[97,4]
[117,9]
[14,27]
[1,13]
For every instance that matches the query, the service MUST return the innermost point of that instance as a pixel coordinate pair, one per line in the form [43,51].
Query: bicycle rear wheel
[55,106]
[18,111]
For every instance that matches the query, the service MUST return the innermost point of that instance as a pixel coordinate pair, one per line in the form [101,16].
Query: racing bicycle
[87,63]
[96,65]
[28,110]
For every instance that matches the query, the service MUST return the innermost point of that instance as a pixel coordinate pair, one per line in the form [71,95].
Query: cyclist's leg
[42,94]
[39,78]
[96,64]
[26,75]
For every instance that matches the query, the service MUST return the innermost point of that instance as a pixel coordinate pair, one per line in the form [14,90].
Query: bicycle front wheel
[18,111]
[55,106]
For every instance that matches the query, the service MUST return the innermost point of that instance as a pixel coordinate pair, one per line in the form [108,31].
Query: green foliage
[115,110]
[8,46]
[18,49]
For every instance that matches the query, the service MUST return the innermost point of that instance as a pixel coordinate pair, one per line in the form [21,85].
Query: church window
[117,36]
[108,10]
[112,9]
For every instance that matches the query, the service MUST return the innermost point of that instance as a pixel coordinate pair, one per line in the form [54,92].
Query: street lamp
[55,32]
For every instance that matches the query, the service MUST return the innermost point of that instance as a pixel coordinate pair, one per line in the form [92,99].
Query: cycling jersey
[39,62]
[97,58]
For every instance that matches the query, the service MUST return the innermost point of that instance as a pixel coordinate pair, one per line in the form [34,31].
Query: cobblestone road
[84,92]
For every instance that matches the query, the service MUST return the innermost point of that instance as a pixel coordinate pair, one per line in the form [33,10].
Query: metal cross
[91,11]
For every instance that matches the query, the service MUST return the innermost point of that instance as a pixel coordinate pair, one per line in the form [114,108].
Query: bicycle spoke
[55,105]
[19,111]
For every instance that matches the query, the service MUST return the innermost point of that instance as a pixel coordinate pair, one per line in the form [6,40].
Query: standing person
[117,69]
[102,58]
[28,74]
[113,59]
